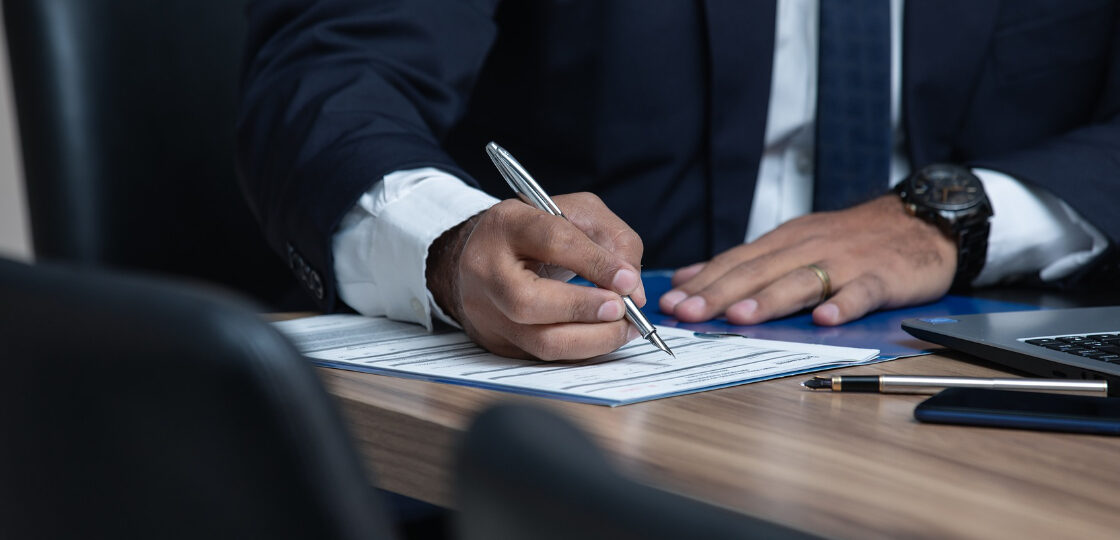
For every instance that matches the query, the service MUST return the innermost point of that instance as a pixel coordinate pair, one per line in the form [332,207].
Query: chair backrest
[524,472]
[133,408]
[126,112]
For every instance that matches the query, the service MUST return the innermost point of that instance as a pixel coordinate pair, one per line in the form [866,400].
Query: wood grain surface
[839,465]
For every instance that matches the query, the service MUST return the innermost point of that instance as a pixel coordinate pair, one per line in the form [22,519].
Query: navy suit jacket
[659,107]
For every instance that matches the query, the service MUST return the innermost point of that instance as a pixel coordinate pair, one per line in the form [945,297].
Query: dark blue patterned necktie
[853,103]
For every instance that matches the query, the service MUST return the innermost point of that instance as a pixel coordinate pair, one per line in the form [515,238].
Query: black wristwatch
[953,199]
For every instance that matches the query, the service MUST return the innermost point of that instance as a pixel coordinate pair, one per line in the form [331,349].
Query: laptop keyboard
[1105,347]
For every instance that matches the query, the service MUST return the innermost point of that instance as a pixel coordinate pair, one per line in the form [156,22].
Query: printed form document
[636,372]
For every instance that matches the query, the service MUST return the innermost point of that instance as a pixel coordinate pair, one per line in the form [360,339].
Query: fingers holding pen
[545,301]
[548,239]
[588,213]
[572,341]
[512,311]
[551,342]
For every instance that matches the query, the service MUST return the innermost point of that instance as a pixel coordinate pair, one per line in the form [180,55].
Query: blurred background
[15,237]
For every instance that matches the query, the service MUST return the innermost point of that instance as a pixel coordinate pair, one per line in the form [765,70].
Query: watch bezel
[919,200]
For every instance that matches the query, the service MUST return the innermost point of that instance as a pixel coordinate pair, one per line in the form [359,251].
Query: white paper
[636,372]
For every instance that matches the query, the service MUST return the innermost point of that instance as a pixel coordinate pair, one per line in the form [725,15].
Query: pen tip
[656,341]
[817,383]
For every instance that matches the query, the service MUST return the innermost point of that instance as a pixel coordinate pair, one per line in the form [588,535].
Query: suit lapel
[945,43]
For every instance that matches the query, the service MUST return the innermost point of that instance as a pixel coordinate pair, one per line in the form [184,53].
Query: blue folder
[880,330]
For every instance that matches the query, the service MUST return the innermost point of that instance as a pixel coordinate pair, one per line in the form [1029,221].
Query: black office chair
[132,408]
[524,472]
[126,114]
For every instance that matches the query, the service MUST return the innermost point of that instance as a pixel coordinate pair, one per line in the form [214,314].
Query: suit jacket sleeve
[1081,166]
[338,93]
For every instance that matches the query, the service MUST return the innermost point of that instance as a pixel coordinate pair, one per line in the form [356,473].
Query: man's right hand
[484,273]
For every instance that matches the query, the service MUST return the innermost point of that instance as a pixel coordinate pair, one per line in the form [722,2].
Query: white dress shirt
[381,246]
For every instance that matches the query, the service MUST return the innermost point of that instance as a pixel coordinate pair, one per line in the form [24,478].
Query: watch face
[946,188]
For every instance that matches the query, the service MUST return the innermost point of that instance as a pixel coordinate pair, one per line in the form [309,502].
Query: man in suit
[754,142]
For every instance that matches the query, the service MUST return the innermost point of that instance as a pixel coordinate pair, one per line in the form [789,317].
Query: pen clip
[522,183]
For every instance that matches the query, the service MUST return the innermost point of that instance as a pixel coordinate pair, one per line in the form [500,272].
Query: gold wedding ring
[826,283]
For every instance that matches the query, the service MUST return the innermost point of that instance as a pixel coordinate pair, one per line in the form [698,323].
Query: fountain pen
[529,191]
[916,384]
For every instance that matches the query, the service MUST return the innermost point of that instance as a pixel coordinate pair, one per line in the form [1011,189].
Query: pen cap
[522,183]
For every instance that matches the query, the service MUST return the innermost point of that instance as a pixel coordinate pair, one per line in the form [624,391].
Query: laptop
[1078,343]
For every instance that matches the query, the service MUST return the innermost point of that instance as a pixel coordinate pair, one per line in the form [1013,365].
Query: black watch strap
[972,252]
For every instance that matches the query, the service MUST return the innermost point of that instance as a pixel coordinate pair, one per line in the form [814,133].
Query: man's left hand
[875,255]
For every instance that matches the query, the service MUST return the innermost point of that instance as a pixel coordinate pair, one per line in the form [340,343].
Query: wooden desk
[839,465]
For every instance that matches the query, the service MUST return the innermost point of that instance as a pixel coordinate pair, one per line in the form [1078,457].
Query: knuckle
[735,283]
[587,198]
[611,342]
[874,288]
[726,259]
[510,205]
[577,308]
[497,219]
[751,271]
[723,262]
[549,349]
[628,241]
[494,340]
[525,339]
[502,211]
[519,313]
[507,349]
[603,267]
[517,304]
[622,336]
[559,237]
[815,243]
[690,288]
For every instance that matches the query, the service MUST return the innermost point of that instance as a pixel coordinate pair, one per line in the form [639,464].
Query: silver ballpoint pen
[529,191]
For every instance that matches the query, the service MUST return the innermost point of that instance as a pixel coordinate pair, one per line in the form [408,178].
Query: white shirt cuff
[1033,233]
[381,247]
